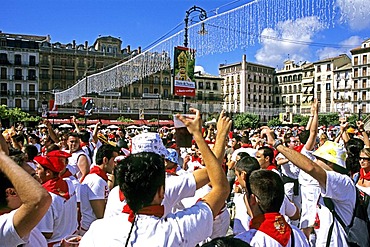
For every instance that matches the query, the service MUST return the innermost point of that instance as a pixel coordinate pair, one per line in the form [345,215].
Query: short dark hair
[247,164]
[268,187]
[139,177]
[31,151]
[303,136]
[105,151]
[286,138]
[268,152]
[74,134]
[227,241]
[19,138]
[84,136]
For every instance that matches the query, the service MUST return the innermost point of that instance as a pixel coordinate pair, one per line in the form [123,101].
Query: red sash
[270,167]
[363,175]
[274,225]
[66,174]
[57,186]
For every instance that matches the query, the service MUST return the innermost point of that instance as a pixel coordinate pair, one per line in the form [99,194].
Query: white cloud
[289,39]
[200,69]
[347,45]
[355,12]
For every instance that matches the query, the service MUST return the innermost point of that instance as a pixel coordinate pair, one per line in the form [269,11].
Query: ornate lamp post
[202,17]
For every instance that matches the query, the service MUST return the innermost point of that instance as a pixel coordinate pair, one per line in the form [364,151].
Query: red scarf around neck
[363,175]
[156,210]
[270,167]
[274,225]
[98,171]
[57,186]
[172,171]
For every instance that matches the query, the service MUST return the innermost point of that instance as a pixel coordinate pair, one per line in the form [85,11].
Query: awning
[307,81]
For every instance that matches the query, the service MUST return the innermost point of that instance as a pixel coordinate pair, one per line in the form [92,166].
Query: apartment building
[343,94]
[361,77]
[19,71]
[249,87]
[324,80]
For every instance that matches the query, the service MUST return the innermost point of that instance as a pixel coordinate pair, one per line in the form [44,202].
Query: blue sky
[141,22]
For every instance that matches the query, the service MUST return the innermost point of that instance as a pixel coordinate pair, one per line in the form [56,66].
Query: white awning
[307,81]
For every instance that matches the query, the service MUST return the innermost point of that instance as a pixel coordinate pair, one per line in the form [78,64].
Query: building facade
[249,88]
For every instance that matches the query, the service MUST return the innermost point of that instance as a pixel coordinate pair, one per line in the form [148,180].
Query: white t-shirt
[258,238]
[251,151]
[8,234]
[185,228]
[36,239]
[92,188]
[73,160]
[288,169]
[341,189]
[304,178]
[177,188]
[61,217]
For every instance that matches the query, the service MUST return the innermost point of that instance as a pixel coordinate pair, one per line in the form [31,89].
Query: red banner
[184,91]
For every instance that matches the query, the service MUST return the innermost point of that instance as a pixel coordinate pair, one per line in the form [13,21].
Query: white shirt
[304,178]
[92,188]
[8,234]
[177,188]
[185,228]
[258,238]
[341,189]
[61,217]
[72,163]
[36,239]
[288,169]
[251,151]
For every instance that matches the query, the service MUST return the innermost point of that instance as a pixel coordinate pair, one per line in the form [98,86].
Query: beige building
[324,81]
[343,93]
[296,87]
[361,77]
[249,88]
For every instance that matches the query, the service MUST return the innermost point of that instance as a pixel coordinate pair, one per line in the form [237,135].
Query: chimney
[139,49]
[73,44]
[86,45]
[128,49]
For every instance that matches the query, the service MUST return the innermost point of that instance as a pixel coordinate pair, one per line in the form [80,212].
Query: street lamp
[202,17]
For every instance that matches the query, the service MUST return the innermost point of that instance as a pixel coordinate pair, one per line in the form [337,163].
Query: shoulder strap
[292,244]
[356,177]
[330,205]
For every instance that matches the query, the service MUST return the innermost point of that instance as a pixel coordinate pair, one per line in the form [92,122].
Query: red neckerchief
[274,225]
[155,210]
[172,171]
[363,175]
[299,148]
[246,146]
[66,174]
[98,171]
[271,167]
[57,186]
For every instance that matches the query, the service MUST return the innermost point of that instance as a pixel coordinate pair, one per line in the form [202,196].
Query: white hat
[332,152]
[148,142]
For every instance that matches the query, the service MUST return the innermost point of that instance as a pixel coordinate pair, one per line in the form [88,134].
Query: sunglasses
[364,158]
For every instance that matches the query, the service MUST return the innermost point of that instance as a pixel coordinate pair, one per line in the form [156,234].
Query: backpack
[358,231]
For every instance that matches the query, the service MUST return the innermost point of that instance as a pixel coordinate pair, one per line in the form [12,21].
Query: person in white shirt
[79,163]
[94,188]
[142,177]
[329,170]
[263,197]
[16,226]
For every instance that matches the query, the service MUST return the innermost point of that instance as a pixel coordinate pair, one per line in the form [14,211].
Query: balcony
[31,77]
[18,77]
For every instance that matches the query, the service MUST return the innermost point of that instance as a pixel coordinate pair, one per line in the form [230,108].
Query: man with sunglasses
[329,169]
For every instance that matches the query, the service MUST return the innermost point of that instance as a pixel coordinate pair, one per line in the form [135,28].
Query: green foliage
[274,122]
[329,119]
[153,120]
[17,115]
[300,119]
[125,120]
[215,115]
[246,120]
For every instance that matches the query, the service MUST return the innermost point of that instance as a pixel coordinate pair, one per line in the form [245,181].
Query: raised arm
[220,190]
[35,199]
[298,159]
[51,131]
[74,120]
[360,127]
[314,119]
[223,128]
[95,132]
[3,145]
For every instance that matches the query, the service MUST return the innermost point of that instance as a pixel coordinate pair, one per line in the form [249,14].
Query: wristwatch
[277,143]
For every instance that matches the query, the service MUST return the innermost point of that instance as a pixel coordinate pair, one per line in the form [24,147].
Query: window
[146,90]
[4,101]
[18,74]
[318,68]
[45,86]
[364,83]
[215,86]
[156,80]
[327,86]
[318,78]
[355,60]
[165,93]
[318,87]
[208,85]
[32,60]
[17,59]
[3,58]
[156,91]
[328,77]
[355,72]
[18,103]
[200,85]
[328,67]
[18,89]
[355,84]
[136,91]
[4,73]
[31,89]
[4,89]
[364,71]
[364,59]
[166,81]
[32,74]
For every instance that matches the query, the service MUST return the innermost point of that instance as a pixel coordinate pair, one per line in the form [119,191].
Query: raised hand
[192,123]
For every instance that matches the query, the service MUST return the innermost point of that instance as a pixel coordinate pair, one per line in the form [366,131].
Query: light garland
[238,28]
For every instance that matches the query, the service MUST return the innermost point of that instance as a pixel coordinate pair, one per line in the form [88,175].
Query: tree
[125,120]
[329,119]
[246,120]
[274,122]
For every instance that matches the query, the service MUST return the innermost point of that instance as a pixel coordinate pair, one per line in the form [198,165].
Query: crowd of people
[251,187]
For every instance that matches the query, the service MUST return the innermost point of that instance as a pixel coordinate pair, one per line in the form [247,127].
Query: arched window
[146,90]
